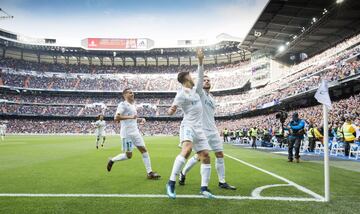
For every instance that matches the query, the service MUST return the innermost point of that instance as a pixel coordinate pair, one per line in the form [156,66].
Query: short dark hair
[181,76]
[125,91]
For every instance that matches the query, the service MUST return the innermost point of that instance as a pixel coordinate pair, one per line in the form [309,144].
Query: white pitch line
[299,187]
[223,197]
[256,192]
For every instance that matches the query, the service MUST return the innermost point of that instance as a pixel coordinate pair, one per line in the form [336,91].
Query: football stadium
[180,106]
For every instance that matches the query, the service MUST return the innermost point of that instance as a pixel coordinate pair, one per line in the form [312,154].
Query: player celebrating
[100,130]
[126,114]
[192,135]
[212,135]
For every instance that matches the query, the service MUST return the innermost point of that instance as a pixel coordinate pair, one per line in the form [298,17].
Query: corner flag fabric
[322,94]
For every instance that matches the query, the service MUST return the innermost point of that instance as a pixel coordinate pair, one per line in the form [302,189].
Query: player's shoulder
[122,103]
[180,90]
[179,93]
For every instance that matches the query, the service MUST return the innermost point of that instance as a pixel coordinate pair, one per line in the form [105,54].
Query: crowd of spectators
[332,67]
[336,68]
[313,115]
[112,82]
[26,126]
[72,110]
[42,67]
[305,80]
[22,98]
[349,106]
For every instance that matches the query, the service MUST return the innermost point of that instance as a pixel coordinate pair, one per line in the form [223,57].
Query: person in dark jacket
[296,128]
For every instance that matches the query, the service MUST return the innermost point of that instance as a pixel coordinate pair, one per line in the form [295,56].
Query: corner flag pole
[326,154]
[323,97]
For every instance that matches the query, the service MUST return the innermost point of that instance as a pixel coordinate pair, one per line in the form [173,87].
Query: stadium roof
[302,26]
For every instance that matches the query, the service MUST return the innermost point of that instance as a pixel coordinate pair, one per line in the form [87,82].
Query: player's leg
[220,169]
[188,166]
[201,147]
[217,146]
[178,164]
[127,148]
[146,159]
[104,138]
[97,141]
[205,172]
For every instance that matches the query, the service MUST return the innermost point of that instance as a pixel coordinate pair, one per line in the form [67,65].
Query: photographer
[296,128]
[281,134]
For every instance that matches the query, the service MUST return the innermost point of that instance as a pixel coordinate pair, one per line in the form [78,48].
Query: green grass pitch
[72,165]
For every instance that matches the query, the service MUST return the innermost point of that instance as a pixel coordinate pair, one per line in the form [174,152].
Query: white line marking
[256,192]
[299,187]
[155,196]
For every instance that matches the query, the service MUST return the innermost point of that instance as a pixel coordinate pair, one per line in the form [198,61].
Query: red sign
[111,43]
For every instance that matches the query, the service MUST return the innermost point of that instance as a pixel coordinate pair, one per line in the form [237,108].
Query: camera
[281,115]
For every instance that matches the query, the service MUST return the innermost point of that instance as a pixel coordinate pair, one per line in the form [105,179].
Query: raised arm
[200,71]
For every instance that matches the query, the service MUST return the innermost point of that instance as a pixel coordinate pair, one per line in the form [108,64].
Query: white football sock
[178,163]
[147,162]
[220,168]
[97,141]
[205,171]
[120,157]
[190,163]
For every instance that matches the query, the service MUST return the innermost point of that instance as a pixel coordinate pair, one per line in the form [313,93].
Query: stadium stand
[342,63]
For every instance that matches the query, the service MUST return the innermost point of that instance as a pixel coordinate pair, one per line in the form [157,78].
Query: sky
[164,21]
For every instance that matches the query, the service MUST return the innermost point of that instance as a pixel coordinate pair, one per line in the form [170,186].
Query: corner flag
[323,97]
[322,94]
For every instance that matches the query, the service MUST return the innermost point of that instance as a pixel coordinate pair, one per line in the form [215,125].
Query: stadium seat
[245,140]
[275,142]
[304,145]
[319,148]
[354,150]
[336,148]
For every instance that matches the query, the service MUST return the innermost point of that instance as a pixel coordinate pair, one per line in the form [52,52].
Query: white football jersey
[208,117]
[2,129]
[128,127]
[100,125]
[189,101]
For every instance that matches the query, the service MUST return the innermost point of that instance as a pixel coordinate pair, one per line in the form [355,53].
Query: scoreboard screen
[115,44]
